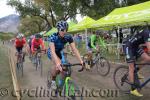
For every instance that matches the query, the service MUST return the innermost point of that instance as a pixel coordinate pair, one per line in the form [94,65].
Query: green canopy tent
[126,16]
[51,31]
[81,26]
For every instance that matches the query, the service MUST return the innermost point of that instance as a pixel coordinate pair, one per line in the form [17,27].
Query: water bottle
[60,81]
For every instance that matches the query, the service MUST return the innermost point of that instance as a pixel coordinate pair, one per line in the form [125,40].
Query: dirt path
[87,80]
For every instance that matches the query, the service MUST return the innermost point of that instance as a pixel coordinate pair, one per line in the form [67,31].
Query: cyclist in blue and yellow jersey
[57,42]
[133,50]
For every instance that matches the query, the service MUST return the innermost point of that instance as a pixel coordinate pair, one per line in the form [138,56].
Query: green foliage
[6,36]
[131,2]
[30,25]
[53,10]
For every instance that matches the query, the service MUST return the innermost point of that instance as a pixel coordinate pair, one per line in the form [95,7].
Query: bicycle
[38,61]
[19,64]
[122,81]
[102,64]
[66,87]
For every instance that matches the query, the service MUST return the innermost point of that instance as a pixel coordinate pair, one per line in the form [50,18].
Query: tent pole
[118,46]
[86,40]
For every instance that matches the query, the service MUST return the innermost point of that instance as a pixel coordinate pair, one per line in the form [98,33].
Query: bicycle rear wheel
[71,91]
[121,79]
[103,66]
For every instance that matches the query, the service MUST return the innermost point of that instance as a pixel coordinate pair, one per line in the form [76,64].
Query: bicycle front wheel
[71,91]
[41,67]
[49,79]
[103,66]
[121,79]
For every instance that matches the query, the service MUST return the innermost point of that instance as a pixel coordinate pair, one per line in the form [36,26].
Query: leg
[131,74]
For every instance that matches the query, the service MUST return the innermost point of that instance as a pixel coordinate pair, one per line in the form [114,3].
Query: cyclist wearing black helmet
[93,45]
[37,43]
[133,50]
[57,42]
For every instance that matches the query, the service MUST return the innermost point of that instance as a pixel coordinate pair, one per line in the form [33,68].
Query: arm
[54,56]
[148,46]
[75,50]
[102,43]
[25,45]
[42,44]
[32,45]
[92,41]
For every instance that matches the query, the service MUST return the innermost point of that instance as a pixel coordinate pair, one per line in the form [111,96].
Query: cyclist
[20,42]
[56,45]
[133,50]
[29,43]
[93,42]
[37,43]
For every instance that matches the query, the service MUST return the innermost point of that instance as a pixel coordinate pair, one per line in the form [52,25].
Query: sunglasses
[62,30]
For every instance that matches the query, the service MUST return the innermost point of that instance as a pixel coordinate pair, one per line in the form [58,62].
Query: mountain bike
[121,78]
[19,64]
[66,87]
[38,61]
[102,64]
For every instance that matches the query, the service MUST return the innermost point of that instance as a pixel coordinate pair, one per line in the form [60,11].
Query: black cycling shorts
[132,53]
[19,49]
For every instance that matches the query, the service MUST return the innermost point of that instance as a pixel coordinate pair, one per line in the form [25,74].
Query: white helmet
[20,36]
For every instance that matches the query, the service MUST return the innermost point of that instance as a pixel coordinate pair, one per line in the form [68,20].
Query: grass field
[6,85]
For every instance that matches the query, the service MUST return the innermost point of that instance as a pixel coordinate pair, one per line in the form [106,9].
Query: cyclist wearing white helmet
[57,42]
[20,42]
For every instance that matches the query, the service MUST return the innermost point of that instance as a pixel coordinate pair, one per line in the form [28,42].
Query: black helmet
[38,36]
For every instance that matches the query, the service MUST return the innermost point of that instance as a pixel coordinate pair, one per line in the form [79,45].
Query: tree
[29,9]
[49,10]
[97,8]
[31,25]
[130,2]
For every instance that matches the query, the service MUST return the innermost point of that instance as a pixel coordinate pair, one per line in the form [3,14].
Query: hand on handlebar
[83,66]
[59,67]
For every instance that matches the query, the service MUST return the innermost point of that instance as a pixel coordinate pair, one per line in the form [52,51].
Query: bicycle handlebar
[142,63]
[76,64]
[71,64]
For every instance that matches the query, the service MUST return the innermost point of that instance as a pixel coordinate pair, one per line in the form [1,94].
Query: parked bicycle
[102,64]
[121,78]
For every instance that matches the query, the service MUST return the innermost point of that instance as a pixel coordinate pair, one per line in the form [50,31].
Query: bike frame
[146,81]
[96,58]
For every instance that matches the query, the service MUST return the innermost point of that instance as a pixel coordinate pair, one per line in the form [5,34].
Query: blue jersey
[59,42]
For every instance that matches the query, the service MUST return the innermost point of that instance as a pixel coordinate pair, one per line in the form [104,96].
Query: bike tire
[36,63]
[103,66]
[21,68]
[74,92]
[49,80]
[120,78]
[41,67]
